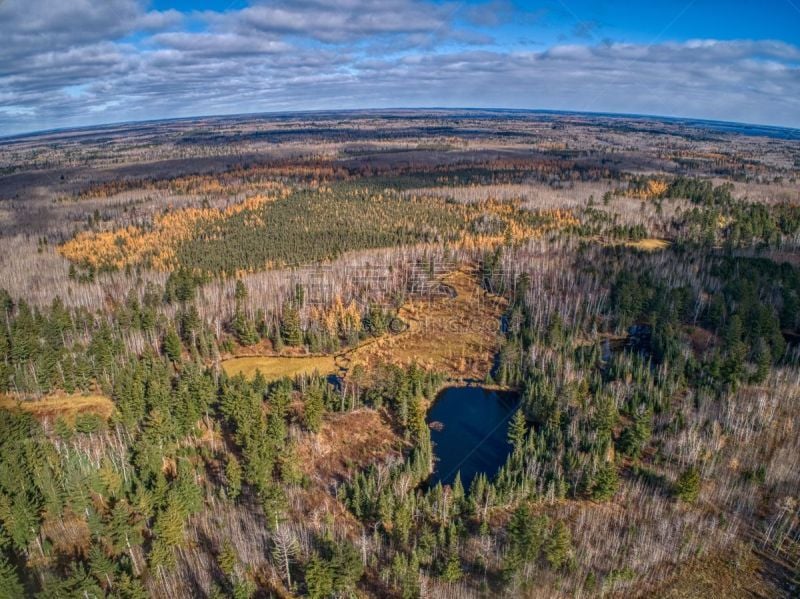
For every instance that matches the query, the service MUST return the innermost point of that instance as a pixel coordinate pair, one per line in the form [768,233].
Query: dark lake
[472,437]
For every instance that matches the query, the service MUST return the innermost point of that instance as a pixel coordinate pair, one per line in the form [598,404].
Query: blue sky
[87,62]
[661,20]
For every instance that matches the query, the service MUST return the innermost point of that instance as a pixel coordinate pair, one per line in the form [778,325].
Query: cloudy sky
[82,62]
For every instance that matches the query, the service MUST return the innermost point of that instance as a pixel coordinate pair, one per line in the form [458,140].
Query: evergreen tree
[559,546]
[244,329]
[101,567]
[517,430]
[233,474]
[240,292]
[452,570]
[10,585]
[319,578]
[763,362]
[172,345]
[189,493]
[687,487]
[375,321]
[457,493]
[405,573]
[291,334]
[735,352]
[347,567]
[606,482]
[168,529]
[526,535]
[227,558]
[313,408]
[636,436]
[190,324]
[130,588]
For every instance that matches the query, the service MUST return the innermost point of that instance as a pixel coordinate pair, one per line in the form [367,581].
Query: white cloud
[220,44]
[79,63]
[344,21]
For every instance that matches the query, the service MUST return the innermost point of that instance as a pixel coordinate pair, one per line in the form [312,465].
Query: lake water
[469,429]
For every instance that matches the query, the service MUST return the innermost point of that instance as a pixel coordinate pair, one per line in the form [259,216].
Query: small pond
[469,430]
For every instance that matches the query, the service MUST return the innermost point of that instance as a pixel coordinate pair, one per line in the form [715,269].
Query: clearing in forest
[345,440]
[64,405]
[454,330]
[650,244]
[276,367]
[456,334]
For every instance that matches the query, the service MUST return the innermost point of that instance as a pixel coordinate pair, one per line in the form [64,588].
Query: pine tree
[347,568]
[273,502]
[10,585]
[233,473]
[452,570]
[559,546]
[190,324]
[227,558]
[763,362]
[606,482]
[735,350]
[319,578]
[405,573]
[189,493]
[101,566]
[687,487]
[130,588]
[172,345]
[243,589]
[375,320]
[244,329]
[290,471]
[291,334]
[313,408]
[168,526]
[122,532]
[110,478]
[635,437]
[457,493]
[526,534]
[162,555]
[555,331]
[517,430]
[403,519]
[240,292]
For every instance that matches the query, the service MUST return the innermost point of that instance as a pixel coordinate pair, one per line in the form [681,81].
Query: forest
[216,378]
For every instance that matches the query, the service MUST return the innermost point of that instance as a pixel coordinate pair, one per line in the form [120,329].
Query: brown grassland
[456,335]
[346,440]
[649,244]
[454,330]
[276,367]
[62,405]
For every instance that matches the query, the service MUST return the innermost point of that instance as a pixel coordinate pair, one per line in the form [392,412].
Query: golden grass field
[276,367]
[457,336]
[649,245]
[61,404]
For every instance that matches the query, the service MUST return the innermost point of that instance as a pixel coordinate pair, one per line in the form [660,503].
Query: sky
[67,63]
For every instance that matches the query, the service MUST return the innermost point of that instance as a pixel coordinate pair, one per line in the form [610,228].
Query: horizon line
[692,121]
